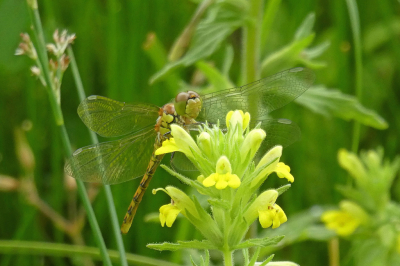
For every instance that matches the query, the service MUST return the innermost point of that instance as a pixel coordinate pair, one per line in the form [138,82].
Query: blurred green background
[110,53]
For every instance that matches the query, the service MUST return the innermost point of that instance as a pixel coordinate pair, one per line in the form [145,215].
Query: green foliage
[113,62]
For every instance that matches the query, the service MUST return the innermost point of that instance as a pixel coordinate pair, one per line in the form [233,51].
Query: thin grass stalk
[72,251]
[107,189]
[56,109]
[355,27]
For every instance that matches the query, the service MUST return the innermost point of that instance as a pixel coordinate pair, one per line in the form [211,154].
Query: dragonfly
[144,127]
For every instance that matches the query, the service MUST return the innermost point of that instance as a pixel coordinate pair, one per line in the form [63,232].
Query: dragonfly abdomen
[137,198]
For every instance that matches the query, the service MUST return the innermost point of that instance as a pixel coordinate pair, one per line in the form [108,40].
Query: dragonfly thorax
[167,116]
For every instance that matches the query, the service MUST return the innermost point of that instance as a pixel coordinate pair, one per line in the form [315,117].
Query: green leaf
[192,261]
[305,29]
[187,180]
[287,55]
[217,80]
[254,257]
[259,242]
[317,50]
[223,18]
[194,244]
[267,260]
[283,189]
[245,252]
[335,103]
[219,203]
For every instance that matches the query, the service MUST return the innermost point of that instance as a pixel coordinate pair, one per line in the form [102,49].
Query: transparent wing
[259,97]
[279,132]
[110,118]
[113,162]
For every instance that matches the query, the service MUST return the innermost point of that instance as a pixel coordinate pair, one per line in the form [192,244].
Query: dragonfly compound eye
[188,104]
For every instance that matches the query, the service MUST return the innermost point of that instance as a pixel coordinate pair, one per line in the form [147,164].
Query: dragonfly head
[188,104]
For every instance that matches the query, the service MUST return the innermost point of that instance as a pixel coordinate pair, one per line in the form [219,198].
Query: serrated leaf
[259,242]
[194,244]
[223,18]
[283,189]
[335,103]
[223,204]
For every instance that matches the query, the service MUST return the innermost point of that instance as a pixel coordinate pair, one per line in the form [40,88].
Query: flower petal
[168,146]
[283,171]
[234,181]
[265,218]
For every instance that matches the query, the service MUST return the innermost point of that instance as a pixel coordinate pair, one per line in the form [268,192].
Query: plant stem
[355,27]
[64,250]
[251,43]
[227,257]
[107,189]
[55,105]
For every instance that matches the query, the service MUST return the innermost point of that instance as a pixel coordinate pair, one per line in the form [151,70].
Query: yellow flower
[223,176]
[273,215]
[261,203]
[252,143]
[168,214]
[237,117]
[283,171]
[346,220]
[181,141]
[398,244]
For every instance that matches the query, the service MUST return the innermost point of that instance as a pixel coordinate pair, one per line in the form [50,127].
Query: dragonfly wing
[113,162]
[279,132]
[259,97]
[110,118]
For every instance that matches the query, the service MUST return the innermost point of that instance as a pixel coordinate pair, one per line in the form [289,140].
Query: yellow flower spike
[204,142]
[352,164]
[252,142]
[180,200]
[398,244]
[273,215]
[237,117]
[283,171]
[200,178]
[346,220]
[168,214]
[181,141]
[228,117]
[223,176]
[272,158]
[264,201]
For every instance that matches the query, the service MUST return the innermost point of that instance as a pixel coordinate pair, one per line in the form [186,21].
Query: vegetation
[148,51]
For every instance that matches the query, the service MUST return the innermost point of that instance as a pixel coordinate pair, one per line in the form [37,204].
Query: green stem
[107,189]
[64,250]
[227,257]
[42,55]
[86,202]
[355,27]
[251,43]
